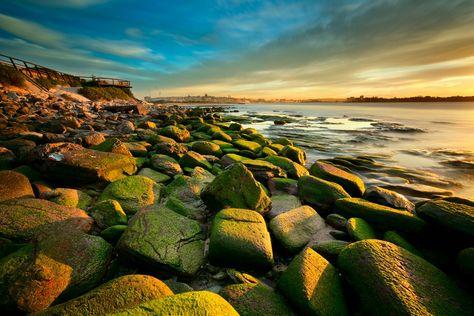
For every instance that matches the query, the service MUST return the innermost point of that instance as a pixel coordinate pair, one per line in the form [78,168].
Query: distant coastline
[363,99]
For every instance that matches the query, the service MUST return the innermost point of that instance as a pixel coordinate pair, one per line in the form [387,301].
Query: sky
[247,48]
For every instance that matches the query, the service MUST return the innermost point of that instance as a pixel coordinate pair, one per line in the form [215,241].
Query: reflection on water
[433,137]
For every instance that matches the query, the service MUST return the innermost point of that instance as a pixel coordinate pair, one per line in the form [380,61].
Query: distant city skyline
[258,49]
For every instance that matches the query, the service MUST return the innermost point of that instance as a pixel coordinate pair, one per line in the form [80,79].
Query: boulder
[283,185]
[239,238]
[337,221]
[113,233]
[118,294]
[320,193]
[465,262]
[313,285]
[247,145]
[329,249]
[14,185]
[176,133]
[207,148]
[108,213]
[23,219]
[137,149]
[236,187]
[161,238]
[113,145]
[351,183]
[93,138]
[69,197]
[294,153]
[293,169]
[390,280]
[453,216]
[294,229]
[381,217]
[397,239]
[359,229]
[220,135]
[133,193]
[388,198]
[282,203]
[255,299]
[193,159]
[189,303]
[230,159]
[168,146]
[156,176]
[166,165]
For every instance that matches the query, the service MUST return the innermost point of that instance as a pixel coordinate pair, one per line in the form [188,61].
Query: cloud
[134,32]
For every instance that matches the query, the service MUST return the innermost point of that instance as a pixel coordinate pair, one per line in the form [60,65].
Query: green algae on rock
[389,198]
[108,213]
[70,197]
[133,193]
[247,145]
[159,237]
[397,239]
[239,238]
[329,249]
[193,159]
[236,187]
[113,145]
[176,133]
[118,294]
[156,176]
[296,154]
[113,233]
[14,185]
[23,219]
[313,285]
[294,229]
[189,303]
[255,300]
[351,183]
[207,148]
[166,165]
[359,229]
[465,262]
[294,170]
[390,280]
[320,193]
[382,217]
[282,203]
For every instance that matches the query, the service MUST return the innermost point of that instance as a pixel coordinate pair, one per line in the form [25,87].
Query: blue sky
[298,49]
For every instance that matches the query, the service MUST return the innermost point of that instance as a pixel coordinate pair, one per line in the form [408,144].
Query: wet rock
[108,213]
[312,285]
[283,185]
[388,198]
[23,219]
[282,203]
[294,153]
[118,294]
[236,187]
[263,170]
[294,229]
[351,183]
[239,238]
[390,280]
[220,135]
[161,238]
[247,145]
[320,193]
[166,165]
[359,229]
[293,169]
[14,185]
[255,299]
[133,193]
[193,159]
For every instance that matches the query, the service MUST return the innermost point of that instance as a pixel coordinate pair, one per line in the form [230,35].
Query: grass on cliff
[106,93]
[11,76]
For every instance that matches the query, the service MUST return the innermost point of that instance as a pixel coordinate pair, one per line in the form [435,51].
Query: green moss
[398,240]
[121,293]
[267,151]
[193,159]
[176,133]
[156,176]
[381,217]
[71,197]
[294,153]
[329,249]
[276,147]
[359,229]
[319,192]
[390,280]
[293,169]
[239,238]
[113,233]
[220,135]
[236,187]
[247,145]
[350,182]
[133,193]
[189,303]
[284,185]
[312,285]
[222,144]
[255,300]
[166,165]
[113,145]
[207,148]
[294,228]
[108,213]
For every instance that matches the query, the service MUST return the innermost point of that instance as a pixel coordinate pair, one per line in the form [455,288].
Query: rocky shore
[129,209]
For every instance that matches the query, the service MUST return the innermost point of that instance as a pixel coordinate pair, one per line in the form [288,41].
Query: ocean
[418,149]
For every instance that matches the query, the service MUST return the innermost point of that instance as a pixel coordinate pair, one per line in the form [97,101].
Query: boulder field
[183,211]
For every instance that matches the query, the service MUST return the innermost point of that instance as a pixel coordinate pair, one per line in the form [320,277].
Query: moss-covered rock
[320,193]
[294,229]
[267,151]
[239,238]
[449,215]
[113,233]
[193,159]
[359,229]
[7,247]
[23,219]
[168,146]
[388,198]
[283,185]
[189,303]
[14,185]
[166,165]
[337,221]
[296,154]
[247,145]
[255,300]
[312,285]
[381,217]
[207,148]
[397,239]
[329,249]
[108,213]
[220,135]
[118,294]
[236,187]
[390,280]
[176,133]
[133,193]
[293,169]
[282,203]
[113,145]
[156,176]
[87,165]
[351,183]
[70,197]
[263,170]
[161,238]
[465,262]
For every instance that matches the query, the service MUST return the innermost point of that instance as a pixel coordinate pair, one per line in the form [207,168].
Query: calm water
[435,137]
